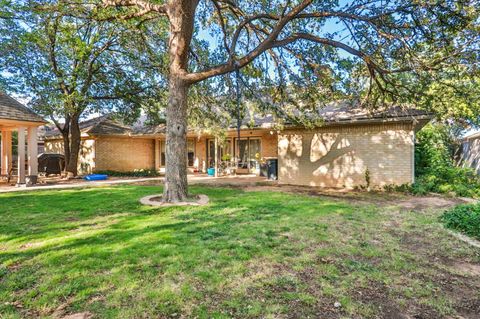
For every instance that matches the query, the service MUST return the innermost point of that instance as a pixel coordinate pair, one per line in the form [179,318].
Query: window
[190,153]
[162,153]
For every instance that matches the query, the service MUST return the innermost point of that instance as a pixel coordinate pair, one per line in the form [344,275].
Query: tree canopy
[70,64]
[377,52]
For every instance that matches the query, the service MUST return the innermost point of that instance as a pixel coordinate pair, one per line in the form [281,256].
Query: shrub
[404,188]
[463,218]
[135,173]
[435,168]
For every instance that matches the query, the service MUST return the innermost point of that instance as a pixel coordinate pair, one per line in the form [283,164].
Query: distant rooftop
[472,135]
[336,112]
[346,111]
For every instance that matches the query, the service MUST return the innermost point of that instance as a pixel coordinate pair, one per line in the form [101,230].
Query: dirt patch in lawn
[404,201]
[468,268]
[375,294]
[431,202]
[81,315]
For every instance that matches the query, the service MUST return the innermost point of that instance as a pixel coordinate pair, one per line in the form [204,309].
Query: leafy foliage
[69,64]
[406,52]
[464,218]
[435,167]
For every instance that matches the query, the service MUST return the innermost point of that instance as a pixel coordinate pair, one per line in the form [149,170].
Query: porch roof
[12,110]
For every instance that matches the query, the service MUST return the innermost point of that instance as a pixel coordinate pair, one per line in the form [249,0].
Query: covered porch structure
[15,117]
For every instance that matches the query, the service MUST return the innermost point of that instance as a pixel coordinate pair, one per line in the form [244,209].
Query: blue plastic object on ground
[96,177]
[211,172]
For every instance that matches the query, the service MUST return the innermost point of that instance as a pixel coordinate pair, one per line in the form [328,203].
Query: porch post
[32,155]
[21,155]
[7,158]
[3,154]
[216,157]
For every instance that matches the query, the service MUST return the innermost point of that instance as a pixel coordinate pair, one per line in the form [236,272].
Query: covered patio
[14,116]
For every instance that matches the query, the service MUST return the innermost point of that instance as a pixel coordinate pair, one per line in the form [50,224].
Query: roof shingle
[11,109]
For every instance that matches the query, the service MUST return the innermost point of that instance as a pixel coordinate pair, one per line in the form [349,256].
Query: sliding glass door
[224,151]
[249,152]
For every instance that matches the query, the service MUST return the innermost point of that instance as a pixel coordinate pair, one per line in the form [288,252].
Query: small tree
[71,65]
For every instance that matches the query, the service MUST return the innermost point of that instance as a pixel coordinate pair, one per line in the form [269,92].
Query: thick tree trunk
[66,148]
[176,188]
[72,164]
[181,15]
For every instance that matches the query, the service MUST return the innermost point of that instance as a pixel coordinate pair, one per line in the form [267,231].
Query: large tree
[398,42]
[69,64]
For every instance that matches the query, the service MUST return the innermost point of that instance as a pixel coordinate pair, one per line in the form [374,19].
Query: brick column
[3,167]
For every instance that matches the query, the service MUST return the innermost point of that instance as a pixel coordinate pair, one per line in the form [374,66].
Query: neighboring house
[42,131]
[337,154]
[470,152]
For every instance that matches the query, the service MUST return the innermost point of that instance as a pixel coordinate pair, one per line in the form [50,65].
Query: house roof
[102,125]
[344,111]
[471,136]
[333,113]
[11,109]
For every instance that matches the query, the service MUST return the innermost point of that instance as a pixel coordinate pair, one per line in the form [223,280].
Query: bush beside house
[134,173]
[464,218]
[435,168]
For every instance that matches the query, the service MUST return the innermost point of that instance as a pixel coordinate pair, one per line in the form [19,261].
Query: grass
[245,255]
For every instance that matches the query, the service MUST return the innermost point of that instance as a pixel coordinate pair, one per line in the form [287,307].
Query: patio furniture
[8,176]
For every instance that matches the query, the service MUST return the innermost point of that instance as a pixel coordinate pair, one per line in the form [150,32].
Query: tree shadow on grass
[150,244]
[36,215]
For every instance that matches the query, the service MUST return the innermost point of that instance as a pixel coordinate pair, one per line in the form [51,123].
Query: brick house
[337,154]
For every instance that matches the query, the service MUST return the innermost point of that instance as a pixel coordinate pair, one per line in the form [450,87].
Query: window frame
[162,149]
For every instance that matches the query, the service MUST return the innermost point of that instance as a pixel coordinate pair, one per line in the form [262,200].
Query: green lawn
[245,255]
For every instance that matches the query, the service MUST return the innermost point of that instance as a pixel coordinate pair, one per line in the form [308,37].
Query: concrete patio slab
[192,179]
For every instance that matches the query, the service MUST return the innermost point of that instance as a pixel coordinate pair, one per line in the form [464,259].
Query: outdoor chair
[9,175]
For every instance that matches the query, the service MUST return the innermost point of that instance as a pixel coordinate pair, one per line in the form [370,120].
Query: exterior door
[249,152]
[224,152]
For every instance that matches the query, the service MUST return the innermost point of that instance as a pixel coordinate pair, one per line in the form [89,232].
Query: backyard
[252,252]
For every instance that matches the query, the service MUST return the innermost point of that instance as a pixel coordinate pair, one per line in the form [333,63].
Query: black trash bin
[272,169]
[264,170]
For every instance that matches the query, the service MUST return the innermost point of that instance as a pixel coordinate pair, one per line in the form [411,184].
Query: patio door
[249,152]
[224,151]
